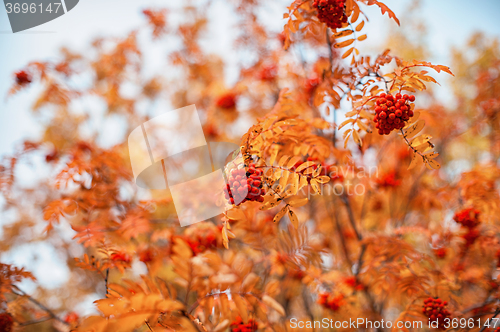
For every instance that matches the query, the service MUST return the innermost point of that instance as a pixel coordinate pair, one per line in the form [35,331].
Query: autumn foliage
[337,203]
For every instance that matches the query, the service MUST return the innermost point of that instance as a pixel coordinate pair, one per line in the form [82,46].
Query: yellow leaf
[432,155]
[249,282]
[414,160]
[242,307]
[347,133]
[272,303]
[343,33]
[344,43]
[345,123]
[323,179]
[284,179]
[355,13]
[347,53]
[274,154]
[424,147]
[303,182]
[304,166]
[280,214]
[360,26]
[420,140]
[235,214]
[362,37]
[433,163]
[293,218]
[283,161]
[315,186]
[414,129]
[357,139]
[293,161]
[298,202]
[225,239]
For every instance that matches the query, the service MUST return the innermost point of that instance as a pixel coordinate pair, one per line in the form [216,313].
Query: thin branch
[106,281]
[496,314]
[345,200]
[149,326]
[38,304]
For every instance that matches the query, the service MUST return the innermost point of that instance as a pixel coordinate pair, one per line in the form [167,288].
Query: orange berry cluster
[392,112]
[268,73]
[239,326]
[71,317]
[331,12]
[121,257]
[311,84]
[435,309]
[6,322]
[469,218]
[440,253]
[331,302]
[389,180]
[227,101]
[353,283]
[245,184]
[202,242]
[23,77]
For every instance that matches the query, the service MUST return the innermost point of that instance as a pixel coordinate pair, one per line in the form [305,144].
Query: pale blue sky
[450,23]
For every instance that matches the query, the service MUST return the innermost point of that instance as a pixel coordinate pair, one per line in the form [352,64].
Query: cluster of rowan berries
[239,326]
[392,112]
[435,309]
[353,283]
[469,218]
[227,101]
[296,273]
[245,184]
[6,322]
[440,253]
[388,180]
[202,242]
[331,302]
[331,12]
[268,73]
[23,77]
[311,84]
[147,255]
[121,257]
[71,317]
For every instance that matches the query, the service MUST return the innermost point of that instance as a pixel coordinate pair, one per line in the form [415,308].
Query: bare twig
[496,314]
[106,281]
[38,304]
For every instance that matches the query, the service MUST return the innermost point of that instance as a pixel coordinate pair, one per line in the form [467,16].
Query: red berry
[412,98]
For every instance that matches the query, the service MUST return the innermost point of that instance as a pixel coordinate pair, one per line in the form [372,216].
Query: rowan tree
[351,211]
